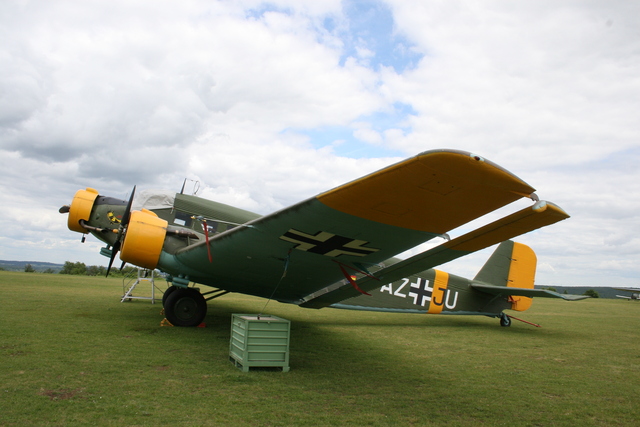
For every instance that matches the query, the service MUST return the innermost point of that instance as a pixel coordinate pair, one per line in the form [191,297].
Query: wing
[300,250]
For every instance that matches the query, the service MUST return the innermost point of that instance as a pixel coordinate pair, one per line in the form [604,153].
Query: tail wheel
[505,320]
[185,307]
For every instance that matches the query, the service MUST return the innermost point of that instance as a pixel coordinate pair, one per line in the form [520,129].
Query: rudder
[512,265]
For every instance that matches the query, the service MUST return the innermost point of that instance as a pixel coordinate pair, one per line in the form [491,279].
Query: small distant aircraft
[635,293]
[336,249]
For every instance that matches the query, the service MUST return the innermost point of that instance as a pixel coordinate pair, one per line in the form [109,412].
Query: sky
[263,104]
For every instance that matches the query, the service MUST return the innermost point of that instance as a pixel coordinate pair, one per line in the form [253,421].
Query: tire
[185,307]
[505,320]
[167,293]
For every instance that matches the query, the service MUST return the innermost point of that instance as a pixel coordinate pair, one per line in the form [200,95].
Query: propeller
[121,230]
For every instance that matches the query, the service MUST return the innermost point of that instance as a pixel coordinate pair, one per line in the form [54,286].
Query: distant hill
[37,266]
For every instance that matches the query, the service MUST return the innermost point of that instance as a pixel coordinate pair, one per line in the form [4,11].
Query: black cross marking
[328,244]
[419,293]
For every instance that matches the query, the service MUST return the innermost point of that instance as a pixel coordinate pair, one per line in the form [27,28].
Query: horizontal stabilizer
[531,218]
[523,292]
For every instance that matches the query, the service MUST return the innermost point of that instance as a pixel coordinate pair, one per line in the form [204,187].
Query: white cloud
[256,99]
[522,80]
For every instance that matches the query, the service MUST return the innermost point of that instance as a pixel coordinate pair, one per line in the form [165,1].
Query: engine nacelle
[144,239]
[80,209]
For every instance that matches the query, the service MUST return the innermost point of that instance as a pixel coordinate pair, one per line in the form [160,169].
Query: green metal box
[259,341]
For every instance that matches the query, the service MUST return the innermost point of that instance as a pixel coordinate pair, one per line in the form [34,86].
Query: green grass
[72,354]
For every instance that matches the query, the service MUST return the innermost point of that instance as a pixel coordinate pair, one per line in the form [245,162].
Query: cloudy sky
[269,103]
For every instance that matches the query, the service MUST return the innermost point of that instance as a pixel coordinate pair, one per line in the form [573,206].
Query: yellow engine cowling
[80,209]
[144,239]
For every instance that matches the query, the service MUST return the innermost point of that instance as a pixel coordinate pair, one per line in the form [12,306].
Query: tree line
[81,269]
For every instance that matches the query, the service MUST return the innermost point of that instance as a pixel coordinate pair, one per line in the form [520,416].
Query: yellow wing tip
[458,162]
[544,205]
[434,191]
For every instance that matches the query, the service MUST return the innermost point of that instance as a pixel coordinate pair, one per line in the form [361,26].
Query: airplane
[635,293]
[337,249]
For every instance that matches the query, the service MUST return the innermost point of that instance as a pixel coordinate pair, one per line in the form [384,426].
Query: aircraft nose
[80,209]
[64,209]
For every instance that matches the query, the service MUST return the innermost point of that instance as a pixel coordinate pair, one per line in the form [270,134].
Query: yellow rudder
[522,273]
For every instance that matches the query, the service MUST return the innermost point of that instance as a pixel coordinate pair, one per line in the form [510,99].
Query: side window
[182,219]
[216,227]
[213,227]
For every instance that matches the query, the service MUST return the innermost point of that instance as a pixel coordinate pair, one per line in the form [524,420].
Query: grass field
[72,354]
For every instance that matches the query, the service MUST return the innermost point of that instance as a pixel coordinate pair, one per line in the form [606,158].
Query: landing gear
[184,306]
[505,320]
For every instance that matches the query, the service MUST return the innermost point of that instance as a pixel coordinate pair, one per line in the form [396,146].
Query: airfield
[72,354]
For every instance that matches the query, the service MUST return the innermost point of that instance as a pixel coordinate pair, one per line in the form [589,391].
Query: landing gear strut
[505,320]
[184,306]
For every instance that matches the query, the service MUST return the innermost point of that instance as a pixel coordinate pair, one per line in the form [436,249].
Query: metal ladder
[144,275]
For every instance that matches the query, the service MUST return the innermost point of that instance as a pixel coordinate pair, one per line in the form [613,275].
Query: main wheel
[167,293]
[185,307]
[505,320]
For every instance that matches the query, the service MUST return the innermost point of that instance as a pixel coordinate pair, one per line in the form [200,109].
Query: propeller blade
[121,230]
[127,212]
[114,251]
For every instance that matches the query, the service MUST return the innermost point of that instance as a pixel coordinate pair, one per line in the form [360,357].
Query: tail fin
[512,265]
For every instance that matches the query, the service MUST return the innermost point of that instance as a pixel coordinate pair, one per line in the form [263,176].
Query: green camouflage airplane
[336,249]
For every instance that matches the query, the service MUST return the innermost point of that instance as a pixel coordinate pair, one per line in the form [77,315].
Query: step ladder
[144,275]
